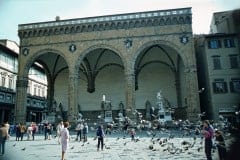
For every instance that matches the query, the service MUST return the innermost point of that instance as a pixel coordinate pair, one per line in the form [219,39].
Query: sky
[15,12]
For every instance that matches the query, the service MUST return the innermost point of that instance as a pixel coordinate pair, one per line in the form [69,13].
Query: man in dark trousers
[100,136]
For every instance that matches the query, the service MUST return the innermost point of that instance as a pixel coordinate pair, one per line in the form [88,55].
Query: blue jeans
[208,148]
[2,146]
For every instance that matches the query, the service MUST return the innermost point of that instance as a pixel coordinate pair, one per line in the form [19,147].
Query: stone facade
[219,75]
[71,51]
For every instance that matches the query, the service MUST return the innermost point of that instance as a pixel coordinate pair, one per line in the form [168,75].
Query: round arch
[98,46]
[177,63]
[37,54]
[160,42]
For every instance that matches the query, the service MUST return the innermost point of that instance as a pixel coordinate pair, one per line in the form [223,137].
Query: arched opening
[159,67]
[101,83]
[47,92]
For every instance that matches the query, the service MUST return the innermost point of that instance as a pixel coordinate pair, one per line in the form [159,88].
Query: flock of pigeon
[182,137]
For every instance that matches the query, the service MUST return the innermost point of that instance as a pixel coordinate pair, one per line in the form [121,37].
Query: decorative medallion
[184,39]
[72,48]
[25,51]
[128,43]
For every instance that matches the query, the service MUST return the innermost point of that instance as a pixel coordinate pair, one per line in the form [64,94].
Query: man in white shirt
[60,126]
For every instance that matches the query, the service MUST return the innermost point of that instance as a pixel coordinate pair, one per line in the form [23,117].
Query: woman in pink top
[208,134]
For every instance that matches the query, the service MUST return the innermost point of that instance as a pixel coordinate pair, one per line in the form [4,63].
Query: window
[3,81]
[216,62]
[219,86]
[10,83]
[229,43]
[235,85]
[43,93]
[35,91]
[28,89]
[234,61]
[213,44]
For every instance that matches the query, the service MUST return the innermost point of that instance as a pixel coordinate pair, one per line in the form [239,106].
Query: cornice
[103,23]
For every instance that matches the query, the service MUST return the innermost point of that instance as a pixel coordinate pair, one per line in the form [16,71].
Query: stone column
[50,94]
[21,100]
[178,89]
[192,95]
[130,94]
[72,97]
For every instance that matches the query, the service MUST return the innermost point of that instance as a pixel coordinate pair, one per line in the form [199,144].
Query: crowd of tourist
[213,137]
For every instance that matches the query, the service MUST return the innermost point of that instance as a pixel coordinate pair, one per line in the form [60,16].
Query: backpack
[84,129]
[99,133]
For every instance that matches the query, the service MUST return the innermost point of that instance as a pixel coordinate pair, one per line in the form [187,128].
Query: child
[220,145]
[132,133]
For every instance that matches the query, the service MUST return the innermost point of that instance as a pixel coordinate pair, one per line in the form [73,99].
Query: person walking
[34,130]
[3,137]
[22,130]
[208,134]
[85,132]
[220,143]
[64,138]
[100,137]
[45,125]
[109,128]
[7,125]
[29,132]
[49,131]
[60,126]
[79,129]
[18,131]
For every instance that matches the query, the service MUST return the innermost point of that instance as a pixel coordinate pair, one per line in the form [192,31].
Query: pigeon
[150,147]
[185,148]
[179,150]
[160,142]
[137,139]
[171,136]
[149,133]
[165,140]
[185,143]
[192,145]
[199,149]
[14,145]
[23,149]
[194,138]
[172,151]
[72,147]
